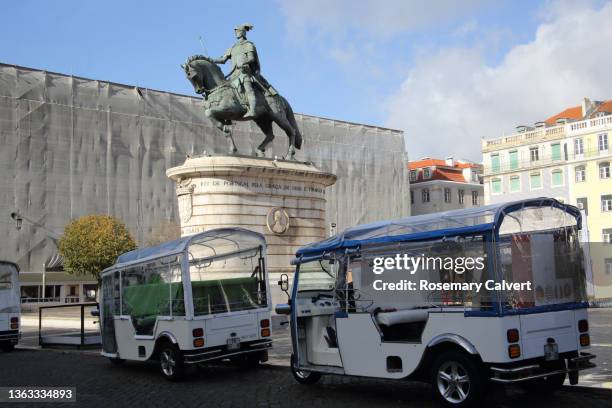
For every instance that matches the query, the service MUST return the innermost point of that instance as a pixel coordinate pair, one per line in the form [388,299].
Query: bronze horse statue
[224,104]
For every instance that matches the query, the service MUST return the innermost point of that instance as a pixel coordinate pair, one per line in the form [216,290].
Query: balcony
[505,167]
[547,133]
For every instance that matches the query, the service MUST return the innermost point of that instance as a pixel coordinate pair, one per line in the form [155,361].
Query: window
[474,197]
[557,177]
[411,197]
[413,175]
[534,154]
[607,235]
[496,186]
[604,170]
[513,160]
[6,279]
[157,281]
[425,195]
[583,204]
[603,142]
[535,180]
[426,173]
[608,264]
[606,203]
[447,195]
[460,194]
[580,174]
[515,184]
[556,151]
[578,146]
[495,167]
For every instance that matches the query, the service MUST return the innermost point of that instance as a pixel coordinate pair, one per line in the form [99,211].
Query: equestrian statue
[244,94]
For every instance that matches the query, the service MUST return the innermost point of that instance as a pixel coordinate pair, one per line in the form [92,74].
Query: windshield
[317,275]
[225,283]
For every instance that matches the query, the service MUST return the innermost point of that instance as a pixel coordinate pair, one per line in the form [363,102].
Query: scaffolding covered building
[74,146]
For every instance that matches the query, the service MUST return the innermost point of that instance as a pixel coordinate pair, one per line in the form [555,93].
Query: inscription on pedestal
[283,200]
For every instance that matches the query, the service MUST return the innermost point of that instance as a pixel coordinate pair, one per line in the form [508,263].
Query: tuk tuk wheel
[303,377]
[457,380]
[171,362]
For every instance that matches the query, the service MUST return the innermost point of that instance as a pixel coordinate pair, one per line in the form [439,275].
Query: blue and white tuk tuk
[517,313]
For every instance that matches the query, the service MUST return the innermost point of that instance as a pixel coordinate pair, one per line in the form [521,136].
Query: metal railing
[506,166]
[66,336]
[547,133]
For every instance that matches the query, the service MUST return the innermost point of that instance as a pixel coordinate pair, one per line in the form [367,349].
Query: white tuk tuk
[196,299]
[10,305]
[526,323]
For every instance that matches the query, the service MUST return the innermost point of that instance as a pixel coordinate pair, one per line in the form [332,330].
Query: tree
[92,243]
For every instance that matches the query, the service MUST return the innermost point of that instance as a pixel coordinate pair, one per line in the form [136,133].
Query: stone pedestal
[283,200]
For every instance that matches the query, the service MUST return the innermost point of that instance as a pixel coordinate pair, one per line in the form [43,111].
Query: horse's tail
[291,119]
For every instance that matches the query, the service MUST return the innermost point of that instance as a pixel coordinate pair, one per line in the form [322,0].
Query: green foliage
[92,243]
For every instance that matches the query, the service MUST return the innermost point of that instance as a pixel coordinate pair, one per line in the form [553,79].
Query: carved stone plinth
[284,200]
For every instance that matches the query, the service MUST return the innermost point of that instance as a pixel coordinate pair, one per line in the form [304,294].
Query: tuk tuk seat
[402,316]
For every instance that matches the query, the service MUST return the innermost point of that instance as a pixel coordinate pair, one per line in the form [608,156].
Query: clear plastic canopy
[213,243]
[429,226]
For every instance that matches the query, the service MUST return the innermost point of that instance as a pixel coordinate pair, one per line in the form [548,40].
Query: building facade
[568,157]
[75,146]
[442,185]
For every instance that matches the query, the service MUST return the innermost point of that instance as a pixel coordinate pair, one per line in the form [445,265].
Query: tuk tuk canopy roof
[430,226]
[218,241]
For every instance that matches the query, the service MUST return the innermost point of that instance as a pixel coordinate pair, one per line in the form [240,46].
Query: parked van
[463,328]
[197,299]
[10,306]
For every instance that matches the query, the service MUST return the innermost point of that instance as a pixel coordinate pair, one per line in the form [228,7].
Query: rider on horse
[245,75]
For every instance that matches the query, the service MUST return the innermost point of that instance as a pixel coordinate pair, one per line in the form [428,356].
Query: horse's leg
[225,127]
[280,112]
[288,129]
[265,124]
[230,139]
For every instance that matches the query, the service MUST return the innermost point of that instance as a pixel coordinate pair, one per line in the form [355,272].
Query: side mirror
[284,283]
[95,312]
[283,309]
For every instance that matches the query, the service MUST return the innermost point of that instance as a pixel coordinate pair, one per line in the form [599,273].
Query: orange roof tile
[425,163]
[447,174]
[574,112]
[605,106]
[466,165]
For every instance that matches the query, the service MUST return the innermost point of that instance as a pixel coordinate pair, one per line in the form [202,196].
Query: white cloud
[451,98]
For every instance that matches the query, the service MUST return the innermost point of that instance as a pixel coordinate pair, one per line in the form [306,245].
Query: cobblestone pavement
[600,328]
[100,384]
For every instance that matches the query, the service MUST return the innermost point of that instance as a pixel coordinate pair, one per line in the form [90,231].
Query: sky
[446,72]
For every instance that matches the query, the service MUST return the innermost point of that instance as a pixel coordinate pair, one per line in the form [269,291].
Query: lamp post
[18,218]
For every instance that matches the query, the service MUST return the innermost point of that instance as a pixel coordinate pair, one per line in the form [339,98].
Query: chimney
[450,161]
[587,106]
